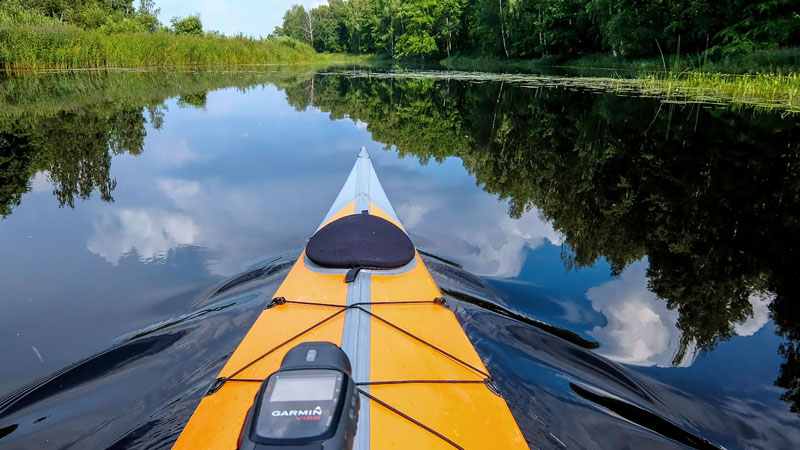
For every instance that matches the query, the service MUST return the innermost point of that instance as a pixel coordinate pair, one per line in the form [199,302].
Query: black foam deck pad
[360,240]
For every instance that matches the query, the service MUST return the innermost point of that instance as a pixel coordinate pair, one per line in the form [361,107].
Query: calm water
[626,268]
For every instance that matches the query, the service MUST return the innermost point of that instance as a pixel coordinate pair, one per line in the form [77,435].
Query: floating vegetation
[763,92]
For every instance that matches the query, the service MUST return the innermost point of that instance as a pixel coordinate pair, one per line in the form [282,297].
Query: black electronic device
[310,403]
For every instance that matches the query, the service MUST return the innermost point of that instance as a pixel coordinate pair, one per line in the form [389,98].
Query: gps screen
[302,389]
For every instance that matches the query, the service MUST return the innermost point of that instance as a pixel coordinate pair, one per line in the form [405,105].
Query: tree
[385,24]
[553,28]
[420,19]
[331,32]
[752,25]
[484,27]
[308,26]
[355,18]
[188,25]
[147,15]
[296,24]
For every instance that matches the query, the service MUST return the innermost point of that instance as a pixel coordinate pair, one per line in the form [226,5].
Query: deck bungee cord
[277,301]
[353,292]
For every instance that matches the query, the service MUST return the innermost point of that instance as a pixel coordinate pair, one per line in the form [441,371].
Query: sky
[251,17]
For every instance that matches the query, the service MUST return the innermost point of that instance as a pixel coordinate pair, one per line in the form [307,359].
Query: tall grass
[50,46]
[763,91]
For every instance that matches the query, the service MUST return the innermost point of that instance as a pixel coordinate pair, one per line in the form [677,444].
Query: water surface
[642,255]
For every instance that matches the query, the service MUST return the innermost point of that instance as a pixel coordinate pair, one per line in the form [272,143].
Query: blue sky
[252,17]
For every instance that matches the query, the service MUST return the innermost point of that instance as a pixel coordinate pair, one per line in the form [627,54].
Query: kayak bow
[360,286]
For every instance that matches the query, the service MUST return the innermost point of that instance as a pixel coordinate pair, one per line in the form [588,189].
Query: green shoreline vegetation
[618,32]
[741,52]
[678,49]
[70,34]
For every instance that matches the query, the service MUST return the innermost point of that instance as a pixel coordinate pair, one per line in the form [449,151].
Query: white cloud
[173,154]
[504,245]
[476,232]
[178,190]
[151,232]
[411,215]
[641,330]
[41,182]
[760,316]
[236,222]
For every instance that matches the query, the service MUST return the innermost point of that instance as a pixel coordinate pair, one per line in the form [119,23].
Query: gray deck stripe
[356,344]
[356,335]
[363,166]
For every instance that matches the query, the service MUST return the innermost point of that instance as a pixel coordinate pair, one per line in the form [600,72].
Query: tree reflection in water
[709,196]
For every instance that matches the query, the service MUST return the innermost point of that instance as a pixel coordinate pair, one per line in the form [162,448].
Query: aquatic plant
[763,91]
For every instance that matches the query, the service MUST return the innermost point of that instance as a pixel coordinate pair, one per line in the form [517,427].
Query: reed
[50,46]
[762,91]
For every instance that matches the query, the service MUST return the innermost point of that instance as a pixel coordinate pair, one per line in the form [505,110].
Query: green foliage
[484,27]
[12,12]
[70,47]
[758,25]
[91,14]
[331,33]
[112,33]
[188,25]
[123,25]
[549,28]
[382,25]
[558,29]
[419,17]
[296,24]
[197,101]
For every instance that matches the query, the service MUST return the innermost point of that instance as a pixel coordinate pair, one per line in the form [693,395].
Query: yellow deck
[469,414]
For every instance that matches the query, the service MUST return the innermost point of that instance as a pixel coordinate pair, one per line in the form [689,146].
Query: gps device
[310,403]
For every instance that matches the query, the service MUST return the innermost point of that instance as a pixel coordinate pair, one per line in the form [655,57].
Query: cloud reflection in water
[641,330]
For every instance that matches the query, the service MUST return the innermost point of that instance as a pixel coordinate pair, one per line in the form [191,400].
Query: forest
[546,28]
[762,35]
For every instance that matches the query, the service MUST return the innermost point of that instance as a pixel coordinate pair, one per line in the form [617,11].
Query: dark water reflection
[642,256]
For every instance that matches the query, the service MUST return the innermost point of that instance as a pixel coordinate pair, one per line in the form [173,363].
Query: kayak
[361,285]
